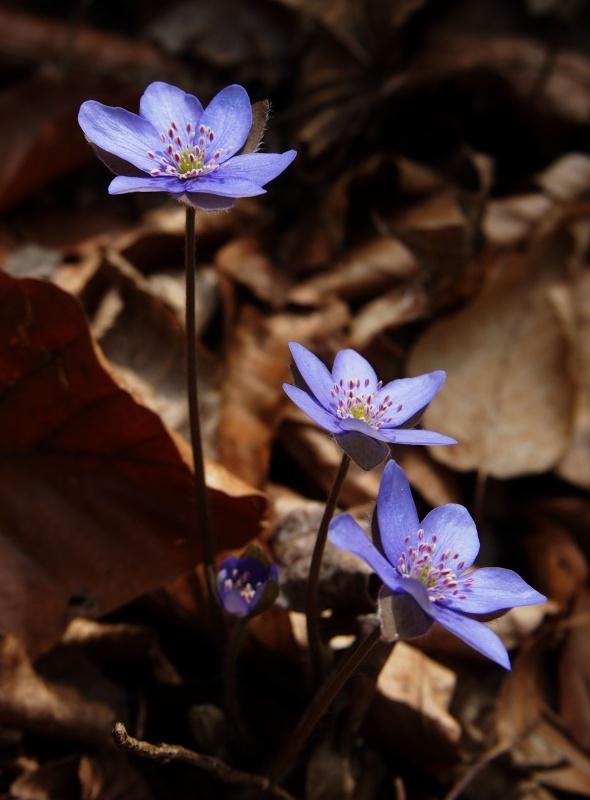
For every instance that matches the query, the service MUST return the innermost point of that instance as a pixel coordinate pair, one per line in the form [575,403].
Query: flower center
[437,573]
[184,155]
[241,582]
[351,402]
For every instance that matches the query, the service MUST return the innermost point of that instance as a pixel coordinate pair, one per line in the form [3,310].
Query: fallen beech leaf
[31,703]
[574,671]
[368,270]
[557,561]
[567,178]
[96,495]
[46,108]
[508,395]
[572,304]
[252,395]
[510,221]
[412,709]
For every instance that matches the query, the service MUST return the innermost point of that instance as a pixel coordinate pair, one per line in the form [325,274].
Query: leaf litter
[436,218]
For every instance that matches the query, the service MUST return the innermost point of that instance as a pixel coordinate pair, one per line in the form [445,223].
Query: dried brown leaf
[257,366]
[508,396]
[412,708]
[32,703]
[574,671]
[96,494]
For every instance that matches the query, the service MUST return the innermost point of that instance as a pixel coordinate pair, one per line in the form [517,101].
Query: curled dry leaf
[257,365]
[572,304]
[574,671]
[368,270]
[32,703]
[508,397]
[556,559]
[412,708]
[96,495]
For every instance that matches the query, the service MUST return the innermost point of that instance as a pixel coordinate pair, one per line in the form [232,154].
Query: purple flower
[363,415]
[175,146]
[248,585]
[424,568]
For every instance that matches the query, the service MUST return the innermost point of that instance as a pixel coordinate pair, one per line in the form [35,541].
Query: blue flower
[248,585]
[176,146]
[363,415]
[424,567]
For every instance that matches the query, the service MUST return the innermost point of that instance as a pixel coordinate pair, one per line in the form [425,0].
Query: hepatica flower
[424,568]
[364,416]
[248,585]
[176,146]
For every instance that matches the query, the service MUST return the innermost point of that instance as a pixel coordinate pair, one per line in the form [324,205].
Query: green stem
[320,704]
[231,681]
[311,602]
[204,512]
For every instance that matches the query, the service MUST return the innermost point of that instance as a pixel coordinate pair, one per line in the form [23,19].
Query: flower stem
[320,704]
[204,512]
[231,692]
[311,602]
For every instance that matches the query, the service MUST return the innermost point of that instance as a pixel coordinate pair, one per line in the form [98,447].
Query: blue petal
[412,394]
[162,104]
[473,633]
[169,183]
[256,168]
[418,591]
[360,426]
[123,184]
[229,115]
[234,604]
[312,408]
[350,365]
[455,530]
[414,436]
[396,512]
[316,375]
[347,534]
[120,132]
[494,588]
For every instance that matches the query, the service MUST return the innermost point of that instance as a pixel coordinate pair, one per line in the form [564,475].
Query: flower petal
[350,365]
[316,375]
[412,394]
[312,408]
[396,512]
[473,633]
[414,436]
[257,168]
[455,530]
[494,588]
[360,426]
[162,104]
[234,604]
[229,115]
[123,184]
[118,131]
[347,534]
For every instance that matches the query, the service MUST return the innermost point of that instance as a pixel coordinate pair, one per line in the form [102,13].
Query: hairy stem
[231,682]
[311,602]
[204,512]
[320,704]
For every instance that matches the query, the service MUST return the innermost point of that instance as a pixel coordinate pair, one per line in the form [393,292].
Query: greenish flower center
[187,153]
[438,573]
